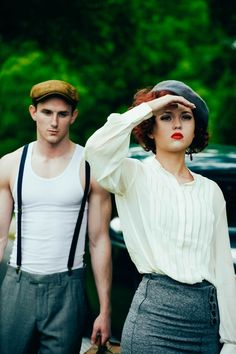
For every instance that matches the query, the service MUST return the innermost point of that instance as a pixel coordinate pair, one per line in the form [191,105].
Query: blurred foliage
[19,72]
[110,48]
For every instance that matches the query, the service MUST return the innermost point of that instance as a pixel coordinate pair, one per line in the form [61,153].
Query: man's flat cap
[54,87]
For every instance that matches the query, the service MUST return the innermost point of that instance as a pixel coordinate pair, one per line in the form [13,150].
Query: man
[42,296]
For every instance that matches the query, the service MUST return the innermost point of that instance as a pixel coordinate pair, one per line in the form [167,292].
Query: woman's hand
[169,100]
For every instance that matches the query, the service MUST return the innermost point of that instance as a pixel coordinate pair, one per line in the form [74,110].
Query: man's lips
[177,136]
[52,131]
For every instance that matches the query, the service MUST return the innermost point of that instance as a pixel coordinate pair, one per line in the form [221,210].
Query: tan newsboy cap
[54,87]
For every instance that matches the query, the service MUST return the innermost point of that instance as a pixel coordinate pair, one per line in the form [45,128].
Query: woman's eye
[186,117]
[165,117]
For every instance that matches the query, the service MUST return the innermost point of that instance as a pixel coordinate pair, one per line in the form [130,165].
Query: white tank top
[50,208]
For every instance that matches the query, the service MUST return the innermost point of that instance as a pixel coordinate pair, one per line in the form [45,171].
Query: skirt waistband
[166,279]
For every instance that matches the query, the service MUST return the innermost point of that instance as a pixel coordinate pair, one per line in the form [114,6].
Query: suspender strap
[79,219]
[19,205]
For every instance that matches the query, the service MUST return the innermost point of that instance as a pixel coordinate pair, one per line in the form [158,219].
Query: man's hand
[101,330]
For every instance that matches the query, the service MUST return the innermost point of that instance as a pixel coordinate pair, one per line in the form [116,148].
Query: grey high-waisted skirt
[168,317]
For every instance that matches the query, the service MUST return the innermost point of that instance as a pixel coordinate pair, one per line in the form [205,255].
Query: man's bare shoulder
[9,162]
[11,157]
[97,189]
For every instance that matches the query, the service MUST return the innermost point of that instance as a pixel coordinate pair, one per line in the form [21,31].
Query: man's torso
[50,208]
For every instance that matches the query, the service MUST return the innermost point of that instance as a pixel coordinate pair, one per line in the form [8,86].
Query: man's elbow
[101,241]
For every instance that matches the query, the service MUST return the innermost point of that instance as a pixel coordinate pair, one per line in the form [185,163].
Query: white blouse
[175,229]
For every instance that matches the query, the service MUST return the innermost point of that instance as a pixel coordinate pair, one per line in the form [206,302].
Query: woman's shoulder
[208,183]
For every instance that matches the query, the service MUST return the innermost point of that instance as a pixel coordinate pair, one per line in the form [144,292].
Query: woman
[174,225]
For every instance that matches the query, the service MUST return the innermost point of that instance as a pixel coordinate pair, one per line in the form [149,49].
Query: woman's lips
[177,136]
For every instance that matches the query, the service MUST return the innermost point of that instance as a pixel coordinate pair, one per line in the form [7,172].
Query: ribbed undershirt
[50,208]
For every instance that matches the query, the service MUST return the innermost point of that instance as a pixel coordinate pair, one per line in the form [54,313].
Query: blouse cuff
[228,348]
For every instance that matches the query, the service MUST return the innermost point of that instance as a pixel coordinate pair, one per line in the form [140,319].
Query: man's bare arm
[100,250]
[7,167]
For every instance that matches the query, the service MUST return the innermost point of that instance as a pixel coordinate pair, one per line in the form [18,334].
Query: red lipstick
[177,136]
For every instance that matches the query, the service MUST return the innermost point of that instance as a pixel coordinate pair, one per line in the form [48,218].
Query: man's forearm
[3,244]
[102,270]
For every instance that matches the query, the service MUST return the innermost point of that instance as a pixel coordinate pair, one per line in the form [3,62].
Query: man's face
[53,118]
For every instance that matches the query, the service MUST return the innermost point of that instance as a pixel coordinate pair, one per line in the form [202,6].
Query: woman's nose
[177,123]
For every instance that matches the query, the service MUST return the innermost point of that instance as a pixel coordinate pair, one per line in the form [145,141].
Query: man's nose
[54,121]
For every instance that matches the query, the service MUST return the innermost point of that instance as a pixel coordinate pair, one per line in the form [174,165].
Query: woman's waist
[163,278]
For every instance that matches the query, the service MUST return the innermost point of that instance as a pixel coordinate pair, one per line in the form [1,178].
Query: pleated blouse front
[168,227]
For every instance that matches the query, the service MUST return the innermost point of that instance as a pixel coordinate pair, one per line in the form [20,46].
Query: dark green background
[108,50]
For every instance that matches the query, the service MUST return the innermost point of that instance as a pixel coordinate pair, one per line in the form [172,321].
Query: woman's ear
[153,128]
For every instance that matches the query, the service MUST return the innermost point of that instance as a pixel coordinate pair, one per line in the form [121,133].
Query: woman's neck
[174,163]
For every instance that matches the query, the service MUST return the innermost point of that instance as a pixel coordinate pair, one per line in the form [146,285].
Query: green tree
[18,73]
[111,48]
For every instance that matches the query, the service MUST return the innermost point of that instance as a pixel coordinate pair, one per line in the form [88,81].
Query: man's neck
[51,151]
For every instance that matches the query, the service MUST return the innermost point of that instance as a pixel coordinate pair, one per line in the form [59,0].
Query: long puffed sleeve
[106,150]
[225,278]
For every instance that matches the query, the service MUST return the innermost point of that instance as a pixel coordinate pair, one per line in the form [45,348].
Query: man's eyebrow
[46,110]
[66,112]
[50,110]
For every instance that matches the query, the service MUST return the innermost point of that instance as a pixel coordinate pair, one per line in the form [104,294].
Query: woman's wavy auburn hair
[142,131]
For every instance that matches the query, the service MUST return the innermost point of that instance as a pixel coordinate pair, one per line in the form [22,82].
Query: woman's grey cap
[201,112]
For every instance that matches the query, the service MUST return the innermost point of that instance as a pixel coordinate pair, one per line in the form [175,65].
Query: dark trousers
[42,313]
[168,317]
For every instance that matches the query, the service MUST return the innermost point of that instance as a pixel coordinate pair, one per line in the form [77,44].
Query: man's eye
[47,112]
[63,114]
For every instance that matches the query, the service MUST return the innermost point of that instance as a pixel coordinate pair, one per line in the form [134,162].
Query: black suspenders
[19,212]
[79,219]
[19,206]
